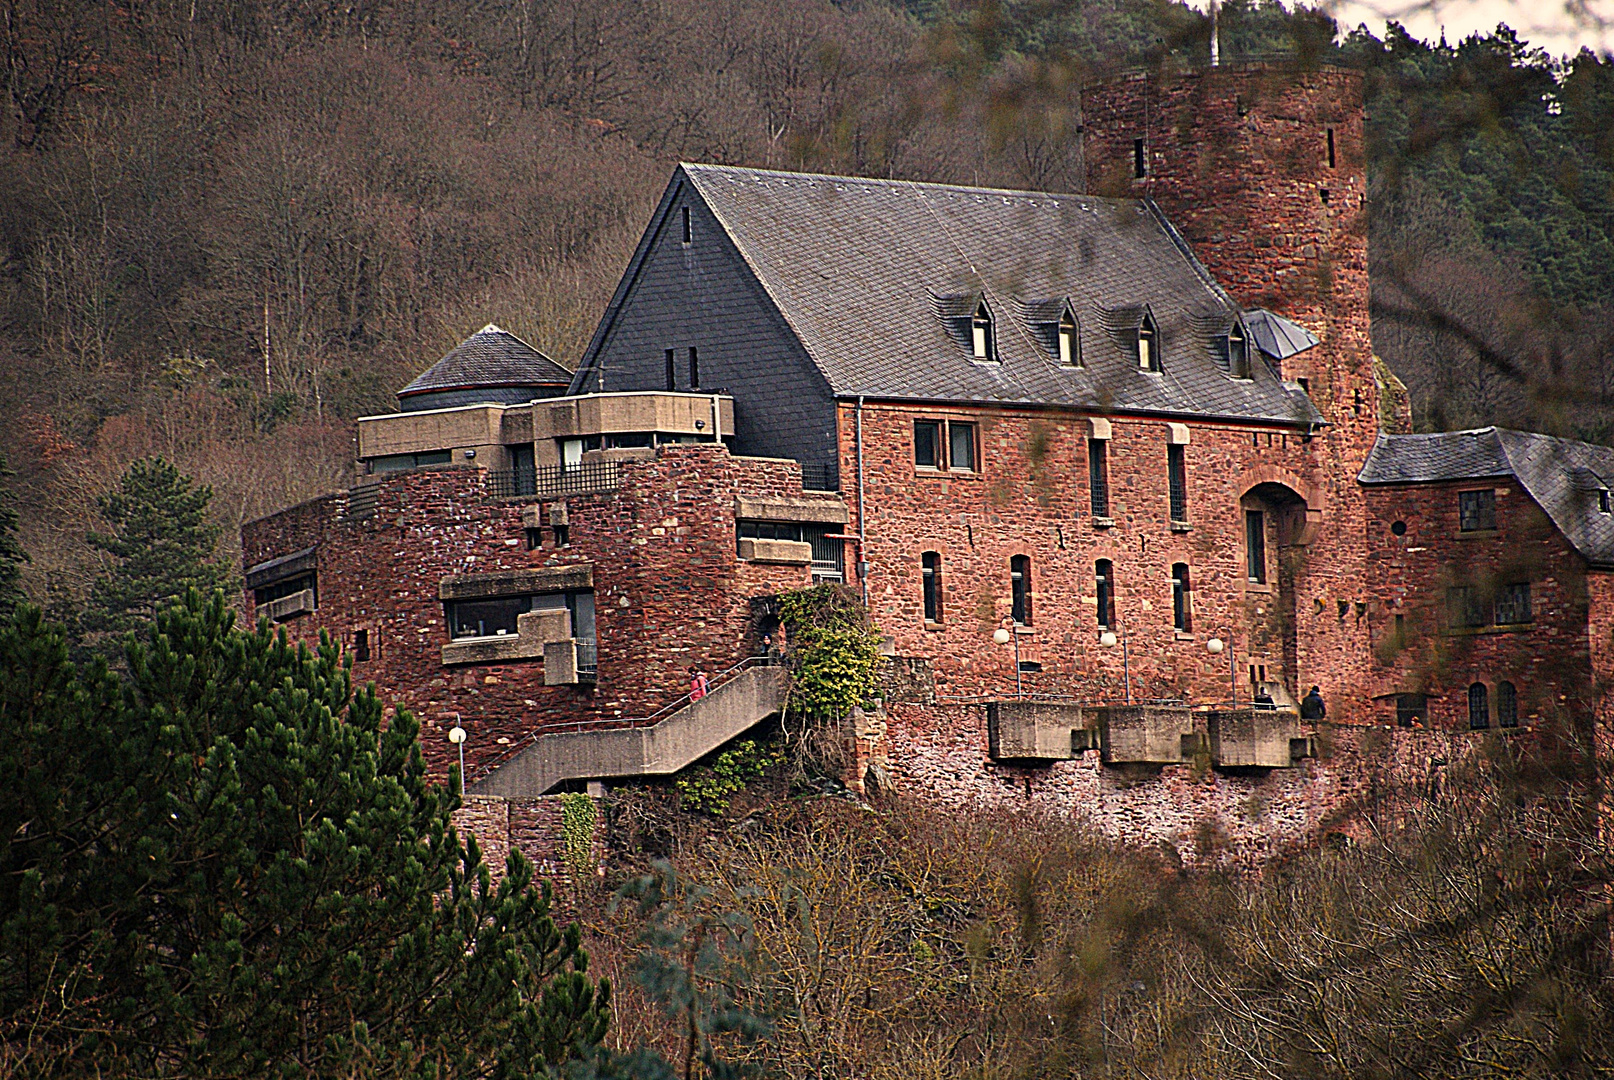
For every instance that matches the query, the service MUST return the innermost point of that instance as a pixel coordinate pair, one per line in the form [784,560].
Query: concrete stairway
[657,749]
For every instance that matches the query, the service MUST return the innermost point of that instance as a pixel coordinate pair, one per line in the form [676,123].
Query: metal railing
[553,481]
[817,476]
[588,657]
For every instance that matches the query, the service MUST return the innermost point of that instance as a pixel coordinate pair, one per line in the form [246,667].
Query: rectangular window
[1182,599]
[1098,476]
[694,369]
[361,646]
[961,446]
[1411,709]
[1465,607]
[402,462]
[1476,510]
[288,587]
[927,443]
[493,617]
[1020,586]
[930,574]
[563,535]
[1177,471]
[1513,604]
[672,376]
[688,233]
[1255,546]
[1104,578]
[1479,707]
[1139,162]
[535,539]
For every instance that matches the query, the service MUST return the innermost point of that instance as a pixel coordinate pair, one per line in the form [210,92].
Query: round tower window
[1399,528]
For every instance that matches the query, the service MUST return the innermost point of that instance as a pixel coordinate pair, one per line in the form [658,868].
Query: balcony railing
[553,481]
[588,658]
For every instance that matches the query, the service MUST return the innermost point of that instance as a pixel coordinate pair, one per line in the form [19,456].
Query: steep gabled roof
[1563,476]
[872,276]
[489,358]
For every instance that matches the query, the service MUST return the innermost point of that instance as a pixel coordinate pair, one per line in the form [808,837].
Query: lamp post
[1214,646]
[1107,640]
[456,735]
[1003,635]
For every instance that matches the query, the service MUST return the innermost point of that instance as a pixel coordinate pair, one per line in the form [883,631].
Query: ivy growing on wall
[707,789]
[834,649]
[578,818]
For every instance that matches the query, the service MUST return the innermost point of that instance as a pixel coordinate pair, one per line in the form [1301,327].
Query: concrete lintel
[793,552]
[516,582]
[821,511]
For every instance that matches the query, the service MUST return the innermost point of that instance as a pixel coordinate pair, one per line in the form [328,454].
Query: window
[829,562]
[961,446]
[279,590]
[1140,163]
[1603,502]
[1411,709]
[498,616]
[927,443]
[981,333]
[930,574]
[1255,546]
[1104,577]
[1020,584]
[1330,148]
[400,462]
[1513,604]
[932,437]
[672,377]
[688,234]
[535,539]
[1507,704]
[1238,353]
[1098,476]
[1476,510]
[1177,475]
[361,646]
[1181,606]
[694,369]
[1479,707]
[1465,607]
[563,535]
[1070,342]
[1148,345]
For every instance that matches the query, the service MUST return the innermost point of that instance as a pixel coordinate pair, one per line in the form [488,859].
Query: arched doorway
[1275,537]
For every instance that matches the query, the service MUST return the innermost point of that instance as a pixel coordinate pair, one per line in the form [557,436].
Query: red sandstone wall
[669,590]
[1549,663]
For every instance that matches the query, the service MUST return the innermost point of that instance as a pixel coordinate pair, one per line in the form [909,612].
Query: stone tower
[1263,171]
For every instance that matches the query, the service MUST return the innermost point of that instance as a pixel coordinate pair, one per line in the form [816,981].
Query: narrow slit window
[688,232]
[930,574]
[1148,345]
[1507,704]
[535,539]
[1070,342]
[672,377]
[1238,353]
[1182,617]
[1104,579]
[694,369]
[1177,476]
[1330,148]
[981,333]
[1479,707]
[1020,584]
[1255,546]
[1098,476]
[1140,163]
[361,646]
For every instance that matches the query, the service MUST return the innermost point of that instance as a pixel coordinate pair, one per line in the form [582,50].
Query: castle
[1117,475]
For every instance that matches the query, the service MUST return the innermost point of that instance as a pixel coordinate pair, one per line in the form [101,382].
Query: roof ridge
[885,181]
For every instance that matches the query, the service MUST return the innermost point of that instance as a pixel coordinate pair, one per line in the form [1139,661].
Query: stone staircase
[670,742]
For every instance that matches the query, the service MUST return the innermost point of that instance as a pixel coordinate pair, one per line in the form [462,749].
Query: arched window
[930,573]
[981,333]
[1238,352]
[1104,578]
[1479,707]
[1148,344]
[1507,704]
[1070,342]
[1182,616]
[1020,584]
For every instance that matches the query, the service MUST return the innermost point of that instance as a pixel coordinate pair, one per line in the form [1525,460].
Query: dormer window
[1070,342]
[1148,345]
[1238,352]
[981,333]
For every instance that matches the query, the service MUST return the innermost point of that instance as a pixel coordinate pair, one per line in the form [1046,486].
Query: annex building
[1116,473]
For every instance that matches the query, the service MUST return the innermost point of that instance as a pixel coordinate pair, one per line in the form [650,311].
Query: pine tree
[163,543]
[230,866]
[12,556]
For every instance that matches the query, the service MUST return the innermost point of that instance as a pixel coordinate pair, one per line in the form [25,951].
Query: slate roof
[489,358]
[877,278]
[1563,476]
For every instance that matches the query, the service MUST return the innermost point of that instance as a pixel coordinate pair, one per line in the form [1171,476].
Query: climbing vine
[834,649]
[707,789]
[578,818]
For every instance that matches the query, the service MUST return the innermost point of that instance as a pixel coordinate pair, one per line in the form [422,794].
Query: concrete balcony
[1257,738]
[1037,731]
[289,607]
[535,631]
[570,662]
